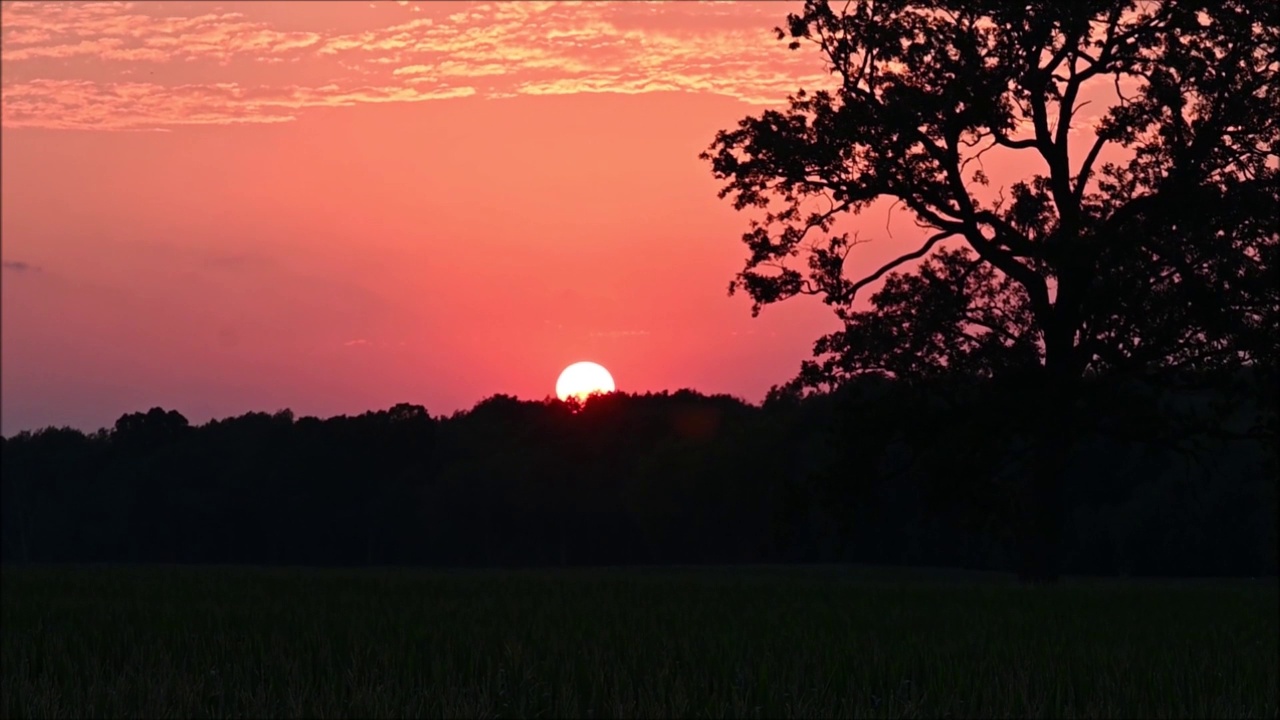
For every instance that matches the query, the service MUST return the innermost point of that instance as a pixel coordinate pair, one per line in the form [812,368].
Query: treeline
[878,472]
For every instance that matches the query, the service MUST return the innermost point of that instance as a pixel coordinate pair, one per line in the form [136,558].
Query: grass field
[197,642]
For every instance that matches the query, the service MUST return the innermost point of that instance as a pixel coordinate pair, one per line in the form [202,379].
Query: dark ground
[98,641]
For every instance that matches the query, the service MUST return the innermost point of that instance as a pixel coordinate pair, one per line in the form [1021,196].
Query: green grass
[195,642]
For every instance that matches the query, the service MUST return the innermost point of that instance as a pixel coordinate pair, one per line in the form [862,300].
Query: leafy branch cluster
[1165,259]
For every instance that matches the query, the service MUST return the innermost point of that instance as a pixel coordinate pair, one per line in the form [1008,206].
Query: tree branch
[1086,168]
[1005,141]
[887,267]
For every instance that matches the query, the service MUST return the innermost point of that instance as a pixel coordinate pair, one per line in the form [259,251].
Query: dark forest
[878,472]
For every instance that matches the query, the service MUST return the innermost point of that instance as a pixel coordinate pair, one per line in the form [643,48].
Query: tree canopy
[1147,249]
[1162,258]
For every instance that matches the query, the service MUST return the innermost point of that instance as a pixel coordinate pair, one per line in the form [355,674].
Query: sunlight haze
[219,208]
[337,206]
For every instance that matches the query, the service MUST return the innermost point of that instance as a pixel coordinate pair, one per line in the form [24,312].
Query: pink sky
[337,206]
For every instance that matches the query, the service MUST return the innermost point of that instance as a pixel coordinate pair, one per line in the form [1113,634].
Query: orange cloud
[57,52]
[145,106]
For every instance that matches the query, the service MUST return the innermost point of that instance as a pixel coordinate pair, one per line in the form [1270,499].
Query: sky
[334,207]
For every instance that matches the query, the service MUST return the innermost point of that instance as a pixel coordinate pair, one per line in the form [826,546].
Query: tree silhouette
[620,479]
[1162,260]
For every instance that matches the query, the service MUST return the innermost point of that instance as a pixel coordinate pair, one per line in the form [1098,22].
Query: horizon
[548,399]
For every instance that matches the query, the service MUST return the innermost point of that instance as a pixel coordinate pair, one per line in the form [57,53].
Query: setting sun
[583,378]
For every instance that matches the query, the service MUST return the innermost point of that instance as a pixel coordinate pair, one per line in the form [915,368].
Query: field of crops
[224,642]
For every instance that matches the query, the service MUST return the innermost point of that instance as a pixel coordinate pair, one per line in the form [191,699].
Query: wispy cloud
[19,266]
[64,61]
[82,104]
[119,31]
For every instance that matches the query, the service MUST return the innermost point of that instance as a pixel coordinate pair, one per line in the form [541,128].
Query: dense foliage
[878,472]
[1141,241]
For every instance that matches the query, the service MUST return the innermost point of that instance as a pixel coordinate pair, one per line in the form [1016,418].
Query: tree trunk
[1040,545]
[564,546]
[1043,509]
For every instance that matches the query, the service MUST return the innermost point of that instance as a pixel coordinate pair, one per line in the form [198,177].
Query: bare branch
[1086,168]
[889,266]
[1006,141]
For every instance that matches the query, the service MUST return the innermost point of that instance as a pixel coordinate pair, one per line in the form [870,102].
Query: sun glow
[581,379]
